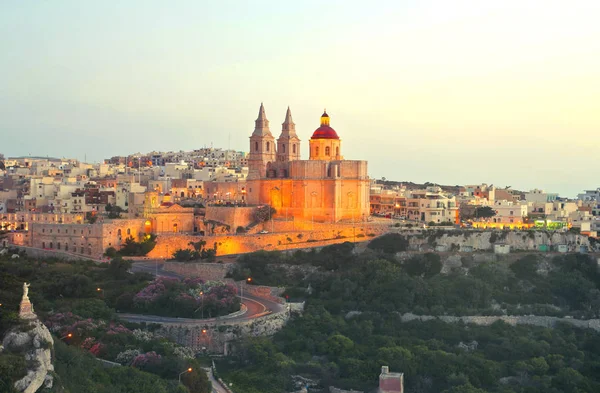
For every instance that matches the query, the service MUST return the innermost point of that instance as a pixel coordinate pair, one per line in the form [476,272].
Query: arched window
[283,147]
[66,246]
[119,233]
[128,231]
[255,146]
[174,228]
[58,246]
[294,148]
[268,146]
[317,151]
[326,150]
[51,245]
[337,151]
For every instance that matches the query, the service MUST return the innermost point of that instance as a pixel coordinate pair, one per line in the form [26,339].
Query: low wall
[65,256]
[270,293]
[543,321]
[206,271]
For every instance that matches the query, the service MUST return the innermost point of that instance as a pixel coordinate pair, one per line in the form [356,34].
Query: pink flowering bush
[58,321]
[88,343]
[117,328]
[146,360]
[189,298]
[98,349]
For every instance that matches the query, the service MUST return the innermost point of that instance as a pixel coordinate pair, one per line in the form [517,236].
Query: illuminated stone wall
[325,234]
[232,216]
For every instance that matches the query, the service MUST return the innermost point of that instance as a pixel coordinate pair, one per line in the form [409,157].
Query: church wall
[163,222]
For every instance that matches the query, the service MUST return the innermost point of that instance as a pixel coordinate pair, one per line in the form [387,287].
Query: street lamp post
[101,291]
[248,280]
[189,370]
[202,297]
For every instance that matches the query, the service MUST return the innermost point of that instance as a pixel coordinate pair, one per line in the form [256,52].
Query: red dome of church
[325,131]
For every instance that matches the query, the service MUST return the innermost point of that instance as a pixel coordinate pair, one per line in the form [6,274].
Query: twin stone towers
[325,188]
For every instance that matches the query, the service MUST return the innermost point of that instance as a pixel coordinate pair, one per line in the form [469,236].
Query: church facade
[324,188]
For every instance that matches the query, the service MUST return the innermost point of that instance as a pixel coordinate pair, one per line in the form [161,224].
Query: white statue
[25,290]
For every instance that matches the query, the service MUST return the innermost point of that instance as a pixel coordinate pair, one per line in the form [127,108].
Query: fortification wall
[232,244]
[232,216]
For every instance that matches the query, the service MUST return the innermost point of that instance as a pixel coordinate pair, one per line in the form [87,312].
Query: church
[325,188]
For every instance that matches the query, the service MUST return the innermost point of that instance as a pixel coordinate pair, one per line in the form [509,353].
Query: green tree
[390,243]
[484,212]
[118,268]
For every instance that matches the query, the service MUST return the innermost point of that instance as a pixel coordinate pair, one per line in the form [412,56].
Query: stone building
[324,188]
[85,239]
[162,215]
[390,382]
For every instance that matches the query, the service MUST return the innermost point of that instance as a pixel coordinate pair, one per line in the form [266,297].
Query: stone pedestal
[26,309]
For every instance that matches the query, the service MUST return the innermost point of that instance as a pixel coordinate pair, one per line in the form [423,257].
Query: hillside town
[187,193]
[86,208]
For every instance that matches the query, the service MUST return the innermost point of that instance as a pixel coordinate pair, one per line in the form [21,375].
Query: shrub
[390,243]
[111,252]
[133,248]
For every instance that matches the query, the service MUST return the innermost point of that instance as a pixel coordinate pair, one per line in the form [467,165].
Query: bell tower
[288,143]
[262,147]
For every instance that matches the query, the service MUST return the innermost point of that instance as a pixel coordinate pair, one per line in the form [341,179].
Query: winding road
[255,307]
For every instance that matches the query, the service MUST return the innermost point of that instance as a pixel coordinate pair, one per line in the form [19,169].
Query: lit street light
[202,306]
[69,335]
[248,280]
[189,370]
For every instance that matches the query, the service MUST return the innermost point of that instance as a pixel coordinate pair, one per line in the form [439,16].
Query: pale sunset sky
[450,92]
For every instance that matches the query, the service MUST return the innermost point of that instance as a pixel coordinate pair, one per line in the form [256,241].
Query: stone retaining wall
[217,333]
[167,244]
[206,271]
[65,256]
[429,240]
[543,321]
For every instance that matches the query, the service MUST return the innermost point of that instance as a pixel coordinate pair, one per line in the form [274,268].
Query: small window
[294,148]
[268,146]
[128,231]
[317,151]
[337,151]
[283,147]
[327,150]
[255,146]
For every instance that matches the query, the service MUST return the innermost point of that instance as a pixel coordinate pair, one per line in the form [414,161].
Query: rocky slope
[32,340]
